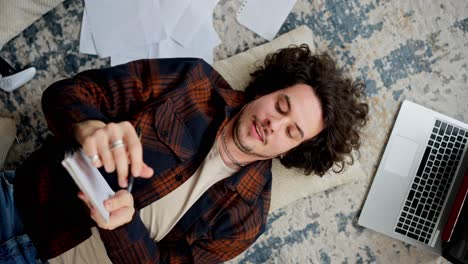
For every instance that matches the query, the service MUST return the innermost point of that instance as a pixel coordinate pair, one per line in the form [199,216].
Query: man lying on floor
[203,182]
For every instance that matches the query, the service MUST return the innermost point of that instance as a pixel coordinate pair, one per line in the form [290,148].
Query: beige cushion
[7,135]
[288,184]
[16,15]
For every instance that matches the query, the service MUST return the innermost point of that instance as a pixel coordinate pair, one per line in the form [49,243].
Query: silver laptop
[413,189]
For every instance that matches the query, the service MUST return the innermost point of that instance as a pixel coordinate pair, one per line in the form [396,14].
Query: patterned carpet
[415,50]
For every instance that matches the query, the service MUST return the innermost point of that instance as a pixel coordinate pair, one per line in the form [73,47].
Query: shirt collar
[250,180]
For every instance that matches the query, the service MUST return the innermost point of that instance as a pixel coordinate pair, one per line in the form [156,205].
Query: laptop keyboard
[430,186]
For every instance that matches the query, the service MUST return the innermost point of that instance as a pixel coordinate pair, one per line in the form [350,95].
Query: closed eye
[282,105]
[294,134]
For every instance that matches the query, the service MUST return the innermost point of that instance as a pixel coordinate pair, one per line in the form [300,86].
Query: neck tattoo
[233,160]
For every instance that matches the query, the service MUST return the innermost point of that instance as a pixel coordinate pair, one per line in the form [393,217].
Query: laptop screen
[457,208]
[455,234]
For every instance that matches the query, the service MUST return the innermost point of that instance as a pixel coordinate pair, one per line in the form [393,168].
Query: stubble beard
[236,135]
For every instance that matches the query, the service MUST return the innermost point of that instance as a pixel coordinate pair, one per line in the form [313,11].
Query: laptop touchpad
[400,156]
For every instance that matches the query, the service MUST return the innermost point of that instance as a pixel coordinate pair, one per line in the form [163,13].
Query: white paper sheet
[193,18]
[201,45]
[171,12]
[145,52]
[116,25]
[151,20]
[267,25]
[86,38]
[160,29]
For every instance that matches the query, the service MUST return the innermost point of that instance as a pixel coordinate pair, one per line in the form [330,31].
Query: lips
[258,132]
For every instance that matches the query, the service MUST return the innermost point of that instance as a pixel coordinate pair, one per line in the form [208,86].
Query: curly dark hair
[342,99]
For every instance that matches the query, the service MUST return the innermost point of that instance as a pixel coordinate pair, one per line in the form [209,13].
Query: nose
[274,124]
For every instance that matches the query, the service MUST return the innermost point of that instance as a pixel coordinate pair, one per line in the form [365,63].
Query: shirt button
[178,177]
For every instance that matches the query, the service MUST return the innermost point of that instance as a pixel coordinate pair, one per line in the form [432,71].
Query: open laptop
[418,177]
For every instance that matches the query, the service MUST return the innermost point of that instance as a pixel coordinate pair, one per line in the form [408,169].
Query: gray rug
[415,50]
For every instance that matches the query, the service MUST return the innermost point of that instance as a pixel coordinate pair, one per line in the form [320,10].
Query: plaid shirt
[180,105]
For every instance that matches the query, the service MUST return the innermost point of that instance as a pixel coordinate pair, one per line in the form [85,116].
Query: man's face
[277,122]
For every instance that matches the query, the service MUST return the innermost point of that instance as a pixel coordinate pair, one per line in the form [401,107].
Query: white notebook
[264,17]
[89,180]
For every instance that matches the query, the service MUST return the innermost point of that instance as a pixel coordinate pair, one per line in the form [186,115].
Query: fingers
[121,162]
[117,145]
[121,143]
[135,151]
[84,198]
[120,207]
[101,140]
[120,199]
[133,154]
[97,143]
[147,171]
[118,218]
[91,150]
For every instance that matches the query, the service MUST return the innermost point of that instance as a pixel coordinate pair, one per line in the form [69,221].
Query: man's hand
[114,146]
[120,207]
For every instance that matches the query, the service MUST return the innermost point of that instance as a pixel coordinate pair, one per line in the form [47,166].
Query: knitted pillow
[16,15]
[288,184]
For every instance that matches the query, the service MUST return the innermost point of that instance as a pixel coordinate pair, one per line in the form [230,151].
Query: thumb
[146,171]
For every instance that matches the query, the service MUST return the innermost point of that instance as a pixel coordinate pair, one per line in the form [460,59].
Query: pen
[131,178]
[130,183]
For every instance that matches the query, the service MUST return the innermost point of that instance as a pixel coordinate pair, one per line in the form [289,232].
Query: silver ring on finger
[94,158]
[117,144]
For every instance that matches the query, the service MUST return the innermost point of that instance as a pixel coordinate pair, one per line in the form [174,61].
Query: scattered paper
[194,17]
[117,25]
[148,29]
[171,12]
[201,46]
[145,52]
[267,25]
[150,19]
[86,38]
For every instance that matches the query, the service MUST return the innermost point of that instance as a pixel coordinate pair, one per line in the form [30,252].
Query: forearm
[114,94]
[67,103]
